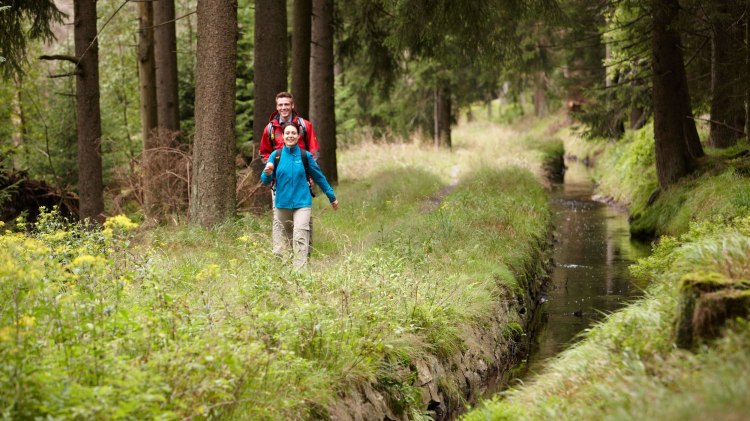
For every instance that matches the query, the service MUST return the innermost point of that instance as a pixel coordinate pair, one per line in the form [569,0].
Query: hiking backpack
[302,135]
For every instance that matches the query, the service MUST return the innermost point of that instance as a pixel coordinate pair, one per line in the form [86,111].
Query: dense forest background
[361,71]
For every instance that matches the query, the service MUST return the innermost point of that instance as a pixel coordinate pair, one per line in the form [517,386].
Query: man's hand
[269,168]
[335,205]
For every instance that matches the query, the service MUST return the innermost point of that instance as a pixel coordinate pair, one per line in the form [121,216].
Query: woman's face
[291,137]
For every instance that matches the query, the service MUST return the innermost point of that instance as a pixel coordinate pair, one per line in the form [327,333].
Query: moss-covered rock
[707,301]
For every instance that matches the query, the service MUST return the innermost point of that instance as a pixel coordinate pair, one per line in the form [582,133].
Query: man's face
[284,106]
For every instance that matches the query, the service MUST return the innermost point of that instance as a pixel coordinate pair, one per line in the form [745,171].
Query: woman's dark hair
[291,123]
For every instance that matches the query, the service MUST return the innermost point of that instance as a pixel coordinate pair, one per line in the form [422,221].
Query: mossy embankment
[406,311]
[679,353]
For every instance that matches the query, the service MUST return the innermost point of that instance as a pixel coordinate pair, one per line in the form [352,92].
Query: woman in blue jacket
[293,200]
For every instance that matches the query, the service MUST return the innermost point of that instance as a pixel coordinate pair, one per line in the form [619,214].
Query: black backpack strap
[306,164]
[276,159]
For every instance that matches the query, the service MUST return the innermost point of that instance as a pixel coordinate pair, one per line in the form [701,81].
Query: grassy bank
[718,188]
[630,366]
[177,323]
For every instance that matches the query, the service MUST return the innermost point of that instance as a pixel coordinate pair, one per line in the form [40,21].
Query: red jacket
[273,136]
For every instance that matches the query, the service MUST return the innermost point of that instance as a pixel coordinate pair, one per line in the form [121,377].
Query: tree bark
[540,99]
[322,104]
[301,56]
[165,58]
[443,110]
[270,59]
[727,106]
[147,79]
[88,114]
[670,91]
[212,198]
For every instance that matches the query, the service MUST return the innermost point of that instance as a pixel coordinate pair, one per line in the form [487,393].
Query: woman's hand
[335,204]
[269,168]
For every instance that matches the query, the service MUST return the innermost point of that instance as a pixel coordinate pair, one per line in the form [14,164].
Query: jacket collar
[294,149]
[275,117]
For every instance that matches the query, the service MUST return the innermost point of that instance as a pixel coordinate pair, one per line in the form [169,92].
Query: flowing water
[592,252]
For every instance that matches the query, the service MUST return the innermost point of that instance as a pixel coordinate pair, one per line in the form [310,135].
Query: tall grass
[188,322]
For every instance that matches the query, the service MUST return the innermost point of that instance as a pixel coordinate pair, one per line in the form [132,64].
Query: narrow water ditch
[592,252]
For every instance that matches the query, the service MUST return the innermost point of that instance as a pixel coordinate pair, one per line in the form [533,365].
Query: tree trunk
[540,100]
[165,58]
[442,116]
[301,56]
[746,22]
[673,159]
[270,61]
[88,115]
[322,111]
[727,107]
[212,198]
[147,78]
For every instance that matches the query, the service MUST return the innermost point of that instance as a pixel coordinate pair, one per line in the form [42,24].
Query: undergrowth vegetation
[185,322]
[625,171]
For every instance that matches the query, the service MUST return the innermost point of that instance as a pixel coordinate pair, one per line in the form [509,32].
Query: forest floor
[411,304]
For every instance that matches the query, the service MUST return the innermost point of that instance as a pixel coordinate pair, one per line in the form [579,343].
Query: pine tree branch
[64,75]
[63,57]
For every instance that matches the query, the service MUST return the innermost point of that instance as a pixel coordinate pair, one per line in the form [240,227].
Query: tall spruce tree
[212,196]
[270,57]
[301,56]
[88,113]
[673,124]
[165,59]
[322,102]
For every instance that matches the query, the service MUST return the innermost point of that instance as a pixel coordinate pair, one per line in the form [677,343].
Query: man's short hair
[284,95]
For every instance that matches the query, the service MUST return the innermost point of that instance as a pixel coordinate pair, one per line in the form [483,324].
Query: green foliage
[721,196]
[627,172]
[21,22]
[244,97]
[622,27]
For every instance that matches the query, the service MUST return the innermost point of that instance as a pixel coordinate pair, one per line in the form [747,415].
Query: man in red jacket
[273,134]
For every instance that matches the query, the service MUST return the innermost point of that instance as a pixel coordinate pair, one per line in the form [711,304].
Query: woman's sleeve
[266,179]
[320,179]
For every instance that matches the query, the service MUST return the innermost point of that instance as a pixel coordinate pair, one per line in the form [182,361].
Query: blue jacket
[292,190]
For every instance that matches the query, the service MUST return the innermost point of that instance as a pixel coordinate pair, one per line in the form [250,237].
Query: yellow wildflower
[209,272]
[27,320]
[120,222]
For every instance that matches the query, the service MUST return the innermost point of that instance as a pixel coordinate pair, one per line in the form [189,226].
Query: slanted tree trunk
[88,115]
[670,92]
[212,198]
[442,115]
[322,111]
[165,58]
[270,61]
[727,106]
[301,56]
[147,78]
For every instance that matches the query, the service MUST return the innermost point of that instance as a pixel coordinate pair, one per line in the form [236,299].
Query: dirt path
[434,201]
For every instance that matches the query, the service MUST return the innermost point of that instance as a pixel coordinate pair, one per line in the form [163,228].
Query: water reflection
[592,252]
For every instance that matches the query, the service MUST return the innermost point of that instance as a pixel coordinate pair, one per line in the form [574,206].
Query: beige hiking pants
[291,230]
